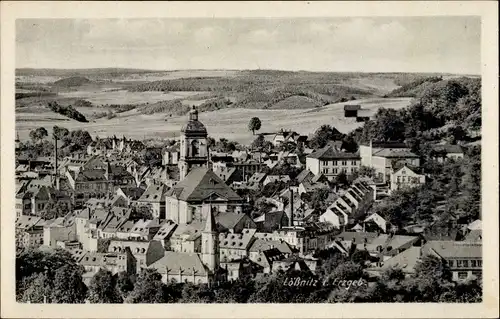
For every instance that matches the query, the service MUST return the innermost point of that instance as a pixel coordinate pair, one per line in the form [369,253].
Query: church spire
[210,225]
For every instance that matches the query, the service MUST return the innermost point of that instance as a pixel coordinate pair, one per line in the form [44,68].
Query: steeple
[210,242]
[193,114]
[210,225]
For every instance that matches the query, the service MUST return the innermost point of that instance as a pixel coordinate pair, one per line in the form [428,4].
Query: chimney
[56,173]
[291,207]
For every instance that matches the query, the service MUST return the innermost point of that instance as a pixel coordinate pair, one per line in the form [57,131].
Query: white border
[486,9]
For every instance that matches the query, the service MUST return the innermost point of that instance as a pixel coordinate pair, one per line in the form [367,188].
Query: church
[199,188]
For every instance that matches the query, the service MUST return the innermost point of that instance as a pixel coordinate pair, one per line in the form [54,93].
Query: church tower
[193,145]
[210,242]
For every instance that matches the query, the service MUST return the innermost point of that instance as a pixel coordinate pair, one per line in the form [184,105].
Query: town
[194,219]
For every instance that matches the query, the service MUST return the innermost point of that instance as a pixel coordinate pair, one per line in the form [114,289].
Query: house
[234,222]
[356,201]
[385,246]
[176,267]
[201,189]
[165,232]
[171,155]
[351,110]
[153,197]
[330,161]
[242,269]
[444,152]
[259,245]
[304,176]
[364,115]
[144,252]
[29,231]
[284,136]
[406,261]
[256,181]
[275,179]
[62,229]
[335,216]
[235,245]
[306,239]
[463,258]
[229,175]
[248,167]
[310,185]
[374,223]
[130,193]
[406,177]
[92,262]
[271,221]
[89,183]
[267,258]
[383,155]
[186,238]
[193,267]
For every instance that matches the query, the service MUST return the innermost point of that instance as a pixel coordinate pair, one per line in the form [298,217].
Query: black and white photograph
[248,160]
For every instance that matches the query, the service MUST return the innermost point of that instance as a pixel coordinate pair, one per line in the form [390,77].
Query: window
[353,163]
[462,275]
[473,263]
[325,170]
[344,163]
[335,171]
[459,263]
[466,263]
[334,163]
[451,263]
[479,263]
[399,179]
[325,163]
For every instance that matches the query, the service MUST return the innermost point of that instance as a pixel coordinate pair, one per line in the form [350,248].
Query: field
[229,123]
[301,101]
[126,97]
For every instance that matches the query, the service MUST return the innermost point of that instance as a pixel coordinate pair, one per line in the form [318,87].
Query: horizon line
[231,69]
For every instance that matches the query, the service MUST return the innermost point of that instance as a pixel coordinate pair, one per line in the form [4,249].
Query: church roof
[193,125]
[200,184]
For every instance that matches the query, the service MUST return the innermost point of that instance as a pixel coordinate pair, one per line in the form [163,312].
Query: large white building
[330,161]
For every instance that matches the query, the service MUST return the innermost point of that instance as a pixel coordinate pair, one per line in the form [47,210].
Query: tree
[148,289]
[54,209]
[59,132]
[38,134]
[124,284]
[254,124]
[341,179]
[68,286]
[37,289]
[323,135]
[102,288]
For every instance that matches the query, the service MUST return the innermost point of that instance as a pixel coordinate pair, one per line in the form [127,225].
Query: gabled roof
[88,175]
[229,220]
[330,153]
[132,192]
[395,153]
[352,107]
[200,184]
[406,260]
[448,149]
[237,241]
[454,249]
[305,175]
[175,263]
[154,193]
[261,245]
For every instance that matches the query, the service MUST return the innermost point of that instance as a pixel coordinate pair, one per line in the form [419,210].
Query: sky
[407,44]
